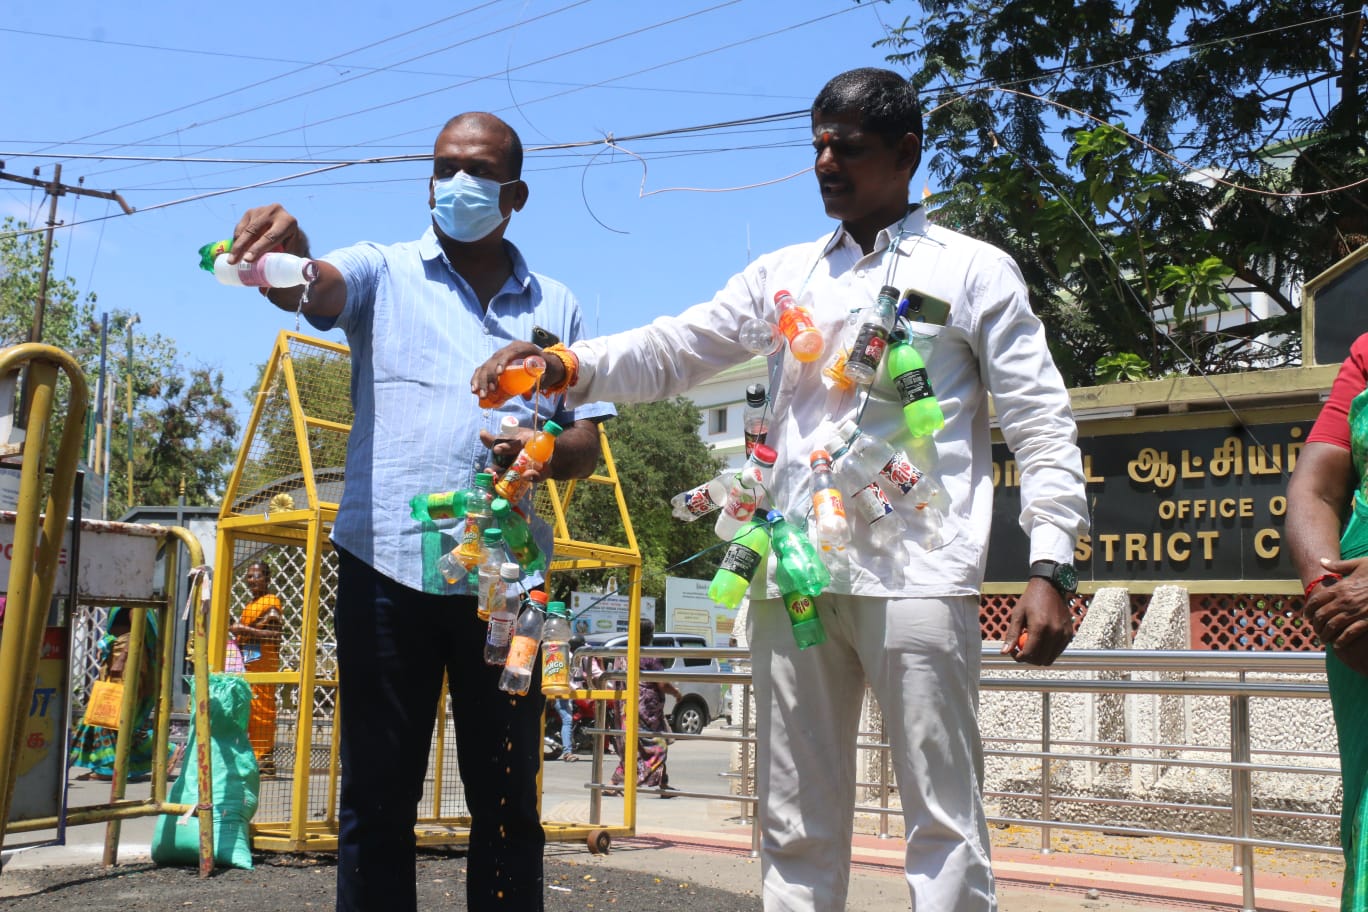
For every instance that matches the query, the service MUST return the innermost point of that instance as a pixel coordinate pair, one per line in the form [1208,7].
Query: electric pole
[54,189]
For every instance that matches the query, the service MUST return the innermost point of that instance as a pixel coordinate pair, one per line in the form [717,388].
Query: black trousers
[393,644]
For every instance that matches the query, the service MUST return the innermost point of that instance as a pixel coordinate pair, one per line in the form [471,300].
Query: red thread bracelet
[1323,578]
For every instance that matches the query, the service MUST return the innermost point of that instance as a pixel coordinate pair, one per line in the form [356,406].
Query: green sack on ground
[236,783]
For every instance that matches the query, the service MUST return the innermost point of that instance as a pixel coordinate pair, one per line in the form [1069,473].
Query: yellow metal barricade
[278,509]
[29,596]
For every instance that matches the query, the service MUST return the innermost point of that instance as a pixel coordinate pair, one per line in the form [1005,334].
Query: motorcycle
[582,718]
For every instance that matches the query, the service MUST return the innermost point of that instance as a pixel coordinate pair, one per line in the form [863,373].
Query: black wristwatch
[1062,576]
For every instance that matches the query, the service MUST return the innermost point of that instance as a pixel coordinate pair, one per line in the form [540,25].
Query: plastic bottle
[522,649]
[534,456]
[555,679]
[876,321]
[865,496]
[744,494]
[274,270]
[431,507]
[921,410]
[802,611]
[755,418]
[834,372]
[478,517]
[517,535]
[804,339]
[830,528]
[502,616]
[760,337]
[879,456]
[743,557]
[797,556]
[491,590]
[701,500]
[516,378]
[508,427]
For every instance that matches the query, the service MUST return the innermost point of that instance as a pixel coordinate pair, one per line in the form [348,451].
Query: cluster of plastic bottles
[518,630]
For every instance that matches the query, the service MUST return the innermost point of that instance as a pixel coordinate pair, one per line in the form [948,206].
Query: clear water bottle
[760,337]
[875,322]
[502,616]
[508,427]
[273,270]
[755,418]
[830,528]
[522,649]
[866,497]
[879,456]
[701,500]
[491,588]
[747,487]
[556,652]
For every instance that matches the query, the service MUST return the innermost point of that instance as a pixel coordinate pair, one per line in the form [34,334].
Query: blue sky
[346,80]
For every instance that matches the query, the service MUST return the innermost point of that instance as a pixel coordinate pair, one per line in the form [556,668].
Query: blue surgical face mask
[466,208]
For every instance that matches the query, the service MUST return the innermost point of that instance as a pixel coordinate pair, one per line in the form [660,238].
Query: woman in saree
[1327,538]
[652,744]
[92,746]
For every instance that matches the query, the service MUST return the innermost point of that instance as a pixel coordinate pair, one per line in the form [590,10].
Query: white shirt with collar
[992,343]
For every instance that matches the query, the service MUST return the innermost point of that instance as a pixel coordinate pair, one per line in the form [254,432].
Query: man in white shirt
[899,616]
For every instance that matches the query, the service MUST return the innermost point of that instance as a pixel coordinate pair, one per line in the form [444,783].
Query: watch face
[1066,577]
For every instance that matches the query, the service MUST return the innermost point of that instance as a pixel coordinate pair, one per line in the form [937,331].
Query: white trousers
[921,657]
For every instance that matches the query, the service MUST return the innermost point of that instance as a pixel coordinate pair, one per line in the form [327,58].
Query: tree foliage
[1141,161]
[184,429]
[658,453]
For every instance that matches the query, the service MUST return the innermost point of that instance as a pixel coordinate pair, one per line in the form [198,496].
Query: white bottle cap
[510,571]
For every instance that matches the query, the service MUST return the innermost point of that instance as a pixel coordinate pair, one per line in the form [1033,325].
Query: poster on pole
[688,609]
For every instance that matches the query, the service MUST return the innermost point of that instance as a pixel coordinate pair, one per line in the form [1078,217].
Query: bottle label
[913,386]
[900,470]
[828,502]
[871,503]
[793,320]
[869,345]
[754,434]
[512,486]
[442,506]
[740,560]
[800,607]
[555,666]
[741,504]
[500,631]
[698,501]
[522,652]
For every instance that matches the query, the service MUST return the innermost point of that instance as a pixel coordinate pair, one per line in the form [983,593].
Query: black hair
[515,148]
[647,631]
[887,104]
[265,568]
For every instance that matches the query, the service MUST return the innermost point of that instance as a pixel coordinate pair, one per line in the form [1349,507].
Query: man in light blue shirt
[419,316]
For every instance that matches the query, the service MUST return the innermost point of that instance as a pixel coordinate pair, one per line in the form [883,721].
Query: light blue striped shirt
[417,333]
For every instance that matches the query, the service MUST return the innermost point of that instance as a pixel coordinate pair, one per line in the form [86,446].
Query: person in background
[898,615]
[653,746]
[92,746]
[258,633]
[1327,539]
[419,317]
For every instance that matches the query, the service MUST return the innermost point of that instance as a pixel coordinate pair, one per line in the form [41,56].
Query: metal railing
[1190,674]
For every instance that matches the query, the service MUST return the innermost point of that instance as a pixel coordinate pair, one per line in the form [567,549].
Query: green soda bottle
[431,507]
[517,535]
[743,557]
[921,411]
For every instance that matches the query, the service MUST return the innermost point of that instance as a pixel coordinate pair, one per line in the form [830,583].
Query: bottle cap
[499,506]
[819,457]
[507,424]
[836,443]
[774,516]
[558,609]
[890,294]
[510,571]
[538,596]
[755,395]
[764,455]
[552,428]
[484,480]
[493,536]
[848,429]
